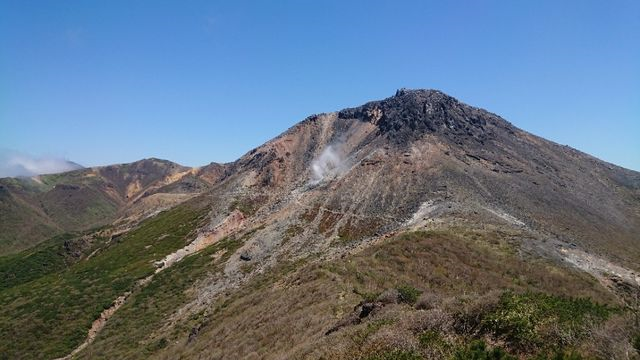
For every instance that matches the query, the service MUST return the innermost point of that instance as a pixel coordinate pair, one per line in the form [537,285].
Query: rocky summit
[414,227]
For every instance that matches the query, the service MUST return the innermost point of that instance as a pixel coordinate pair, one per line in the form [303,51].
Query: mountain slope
[34,209]
[409,227]
[423,151]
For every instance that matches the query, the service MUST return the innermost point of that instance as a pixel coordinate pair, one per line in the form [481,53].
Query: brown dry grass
[284,314]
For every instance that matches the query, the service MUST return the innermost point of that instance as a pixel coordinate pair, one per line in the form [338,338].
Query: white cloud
[13,164]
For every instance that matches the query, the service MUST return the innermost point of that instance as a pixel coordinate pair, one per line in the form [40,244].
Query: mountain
[412,227]
[38,207]
[421,153]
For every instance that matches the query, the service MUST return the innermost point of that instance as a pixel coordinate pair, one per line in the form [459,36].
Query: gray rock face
[411,114]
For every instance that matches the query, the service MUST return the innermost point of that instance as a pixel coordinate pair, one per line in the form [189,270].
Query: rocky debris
[193,334]
[410,114]
[367,308]
[77,246]
[373,115]
[625,288]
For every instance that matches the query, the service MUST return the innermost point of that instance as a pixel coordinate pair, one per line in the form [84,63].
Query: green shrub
[635,341]
[46,258]
[155,346]
[433,339]
[408,294]
[540,320]
[366,295]
[478,350]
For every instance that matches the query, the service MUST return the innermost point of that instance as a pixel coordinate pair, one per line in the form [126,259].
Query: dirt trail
[98,324]
[230,224]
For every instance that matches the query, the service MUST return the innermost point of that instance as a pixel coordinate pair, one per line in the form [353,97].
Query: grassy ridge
[130,332]
[449,286]
[49,316]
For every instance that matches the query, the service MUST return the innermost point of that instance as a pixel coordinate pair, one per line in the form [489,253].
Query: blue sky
[102,82]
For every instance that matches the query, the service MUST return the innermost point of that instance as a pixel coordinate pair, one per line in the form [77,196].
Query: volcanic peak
[410,114]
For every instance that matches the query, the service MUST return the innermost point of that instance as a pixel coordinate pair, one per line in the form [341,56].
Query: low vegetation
[451,303]
[50,315]
[533,320]
[45,258]
[435,295]
[408,294]
[132,331]
[478,350]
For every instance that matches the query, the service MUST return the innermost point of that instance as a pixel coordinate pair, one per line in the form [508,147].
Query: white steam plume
[329,163]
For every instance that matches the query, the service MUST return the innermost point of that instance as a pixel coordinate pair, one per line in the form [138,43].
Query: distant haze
[14,164]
